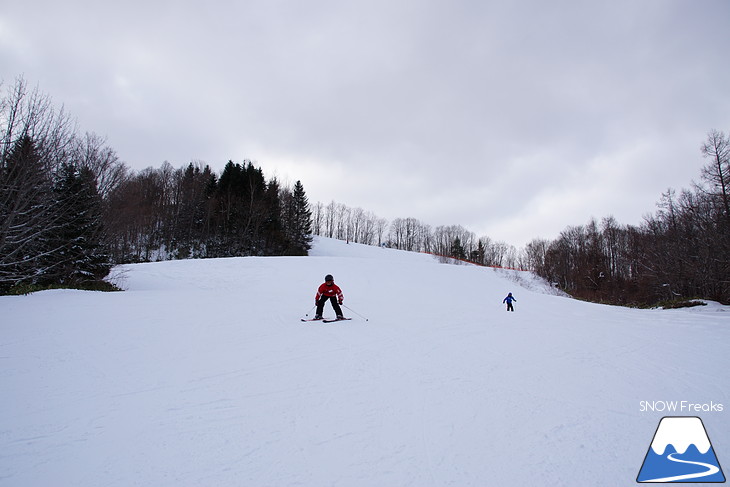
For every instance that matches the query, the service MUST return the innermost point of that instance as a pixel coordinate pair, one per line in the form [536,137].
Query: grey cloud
[457,112]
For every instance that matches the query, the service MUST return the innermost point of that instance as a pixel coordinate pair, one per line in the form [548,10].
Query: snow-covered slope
[201,374]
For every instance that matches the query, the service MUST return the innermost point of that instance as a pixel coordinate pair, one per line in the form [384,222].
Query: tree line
[70,209]
[50,200]
[336,220]
[679,253]
[191,212]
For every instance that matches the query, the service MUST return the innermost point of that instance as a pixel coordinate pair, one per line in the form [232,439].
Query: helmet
[329,277]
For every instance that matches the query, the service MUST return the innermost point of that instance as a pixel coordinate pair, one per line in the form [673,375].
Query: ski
[325,320]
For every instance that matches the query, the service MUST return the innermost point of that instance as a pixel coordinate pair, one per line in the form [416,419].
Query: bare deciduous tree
[34,141]
[717,171]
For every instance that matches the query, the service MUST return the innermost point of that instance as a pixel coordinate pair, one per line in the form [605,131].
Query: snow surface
[201,374]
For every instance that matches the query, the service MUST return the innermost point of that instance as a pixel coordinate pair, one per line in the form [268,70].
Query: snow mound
[329,247]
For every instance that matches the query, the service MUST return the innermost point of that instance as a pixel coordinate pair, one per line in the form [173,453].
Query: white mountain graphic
[680,432]
[680,451]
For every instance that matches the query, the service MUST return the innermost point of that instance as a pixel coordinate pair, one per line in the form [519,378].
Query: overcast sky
[511,118]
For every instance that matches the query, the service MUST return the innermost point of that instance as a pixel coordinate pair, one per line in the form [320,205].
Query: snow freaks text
[683,407]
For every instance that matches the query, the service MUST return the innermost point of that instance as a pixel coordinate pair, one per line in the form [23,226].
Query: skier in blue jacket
[509,300]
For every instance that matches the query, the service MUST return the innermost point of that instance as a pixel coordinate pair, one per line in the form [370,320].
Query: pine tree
[457,250]
[26,213]
[300,224]
[76,252]
[479,253]
[273,237]
[192,210]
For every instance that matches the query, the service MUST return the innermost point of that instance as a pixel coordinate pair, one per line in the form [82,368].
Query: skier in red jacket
[329,290]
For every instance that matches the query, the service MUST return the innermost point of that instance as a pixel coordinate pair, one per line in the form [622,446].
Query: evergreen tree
[192,210]
[26,213]
[77,254]
[273,238]
[244,212]
[457,250]
[478,254]
[300,221]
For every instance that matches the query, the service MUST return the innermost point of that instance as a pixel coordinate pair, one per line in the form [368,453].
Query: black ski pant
[510,307]
[335,305]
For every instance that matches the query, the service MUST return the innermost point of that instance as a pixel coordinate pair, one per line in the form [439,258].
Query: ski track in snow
[202,374]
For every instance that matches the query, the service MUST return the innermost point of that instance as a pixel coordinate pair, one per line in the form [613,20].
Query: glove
[340,301]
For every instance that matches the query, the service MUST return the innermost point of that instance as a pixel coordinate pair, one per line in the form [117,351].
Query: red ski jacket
[329,291]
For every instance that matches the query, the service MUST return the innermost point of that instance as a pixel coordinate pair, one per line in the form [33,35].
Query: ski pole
[310,310]
[361,316]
